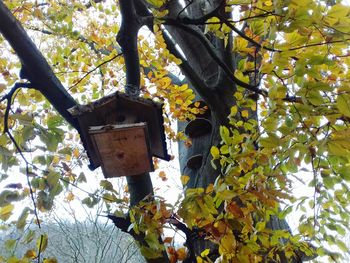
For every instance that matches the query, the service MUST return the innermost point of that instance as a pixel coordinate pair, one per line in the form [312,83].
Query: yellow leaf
[14,260]
[55,159]
[338,11]
[76,153]
[245,114]
[268,3]
[238,95]
[164,82]
[68,157]
[205,252]
[156,3]
[199,259]
[240,44]
[227,244]
[6,212]
[267,68]
[50,260]
[181,253]
[234,110]
[215,152]
[209,189]
[184,179]
[70,197]
[95,37]
[343,104]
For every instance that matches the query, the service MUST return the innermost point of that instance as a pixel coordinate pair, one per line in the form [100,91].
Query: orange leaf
[168,240]
[234,209]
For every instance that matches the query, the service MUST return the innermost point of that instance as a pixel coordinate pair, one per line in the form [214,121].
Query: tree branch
[127,39]
[215,56]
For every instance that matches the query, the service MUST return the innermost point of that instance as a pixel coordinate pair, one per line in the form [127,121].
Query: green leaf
[56,190]
[44,201]
[342,246]
[343,104]
[51,138]
[345,173]
[111,198]
[270,142]
[224,149]
[53,178]
[21,221]
[10,244]
[81,178]
[338,147]
[338,11]
[90,201]
[315,98]
[285,212]
[225,135]
[23,118]
[317,60]
[29,237]
[212,162]
[260,226]
[329,182]
[278,92]
[150,253]
[8,196]
[107,185]
[54,121]
[42,242]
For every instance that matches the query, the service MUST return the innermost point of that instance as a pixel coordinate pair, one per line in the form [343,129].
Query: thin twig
[92,70]
[183,9]
[9,97]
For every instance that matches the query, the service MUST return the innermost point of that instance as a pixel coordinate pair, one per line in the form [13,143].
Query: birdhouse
[121,116]
[123,150]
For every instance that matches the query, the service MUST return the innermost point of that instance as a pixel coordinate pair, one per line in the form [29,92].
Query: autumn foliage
[285,97]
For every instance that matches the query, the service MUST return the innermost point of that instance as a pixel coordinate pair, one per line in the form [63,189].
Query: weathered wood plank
[123,150]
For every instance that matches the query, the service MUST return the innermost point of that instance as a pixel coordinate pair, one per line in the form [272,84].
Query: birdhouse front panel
[123,150]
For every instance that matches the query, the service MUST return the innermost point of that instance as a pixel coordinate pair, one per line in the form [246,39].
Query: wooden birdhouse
[121,134]
[122,149]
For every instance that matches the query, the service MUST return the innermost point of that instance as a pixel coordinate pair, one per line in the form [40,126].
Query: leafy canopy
[300,61]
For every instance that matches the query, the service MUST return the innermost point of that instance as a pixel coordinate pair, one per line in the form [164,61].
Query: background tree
[270,78]
[71,239]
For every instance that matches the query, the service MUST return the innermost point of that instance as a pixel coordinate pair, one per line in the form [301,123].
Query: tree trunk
[212,86]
